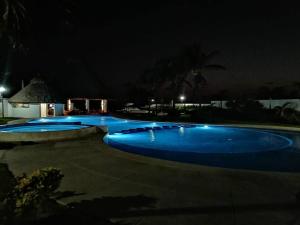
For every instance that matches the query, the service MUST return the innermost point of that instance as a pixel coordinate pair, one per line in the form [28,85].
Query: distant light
[152,100]
[2,89]
[182,97]
[205,126]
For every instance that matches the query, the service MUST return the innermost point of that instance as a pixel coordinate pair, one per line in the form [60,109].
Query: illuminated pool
[44,132]
[219,146]
[114,124]
[40,128]
[201,139]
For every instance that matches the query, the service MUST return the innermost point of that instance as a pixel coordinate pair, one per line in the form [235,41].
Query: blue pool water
[206,145]
[114,124]
[40,127]
[201,139]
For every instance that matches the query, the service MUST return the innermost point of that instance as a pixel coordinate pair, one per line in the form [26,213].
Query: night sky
[98,48]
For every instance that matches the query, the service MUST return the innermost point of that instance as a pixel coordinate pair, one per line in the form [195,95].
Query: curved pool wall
[44,132]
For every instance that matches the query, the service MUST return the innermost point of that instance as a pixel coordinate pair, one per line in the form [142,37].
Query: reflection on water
[152,135]
[181,131]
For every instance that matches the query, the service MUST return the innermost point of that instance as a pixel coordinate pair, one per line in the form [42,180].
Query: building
[267,103]
[34,100]
[87,105]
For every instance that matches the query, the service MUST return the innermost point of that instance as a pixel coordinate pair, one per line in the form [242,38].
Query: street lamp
[2,90]
[182,98]
[150,102]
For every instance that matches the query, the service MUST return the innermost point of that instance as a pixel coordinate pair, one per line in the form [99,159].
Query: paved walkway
[142,190]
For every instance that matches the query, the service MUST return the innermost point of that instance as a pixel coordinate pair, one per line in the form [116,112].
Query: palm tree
[190,67]
[12,14]
[296,84]
[176,73]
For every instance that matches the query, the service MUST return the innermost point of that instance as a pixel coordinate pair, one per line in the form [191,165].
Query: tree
[12,14]
[169,77]
[296,84]
[196,63]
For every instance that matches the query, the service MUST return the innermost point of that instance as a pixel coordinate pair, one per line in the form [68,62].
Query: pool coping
[47,136]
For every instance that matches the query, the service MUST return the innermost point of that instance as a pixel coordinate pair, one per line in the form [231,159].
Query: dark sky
[113,43]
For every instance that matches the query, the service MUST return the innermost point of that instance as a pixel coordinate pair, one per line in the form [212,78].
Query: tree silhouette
[185,70]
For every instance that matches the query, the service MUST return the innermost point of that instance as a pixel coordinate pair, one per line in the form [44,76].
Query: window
[20,105]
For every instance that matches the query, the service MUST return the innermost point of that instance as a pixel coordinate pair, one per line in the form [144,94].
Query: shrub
[32,194]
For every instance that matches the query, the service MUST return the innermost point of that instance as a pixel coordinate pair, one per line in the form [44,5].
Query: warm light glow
[69,105]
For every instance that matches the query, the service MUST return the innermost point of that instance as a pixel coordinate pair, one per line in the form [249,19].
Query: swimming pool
[45,132]
[201,139]
[219,146]
[41,127]
[114,124]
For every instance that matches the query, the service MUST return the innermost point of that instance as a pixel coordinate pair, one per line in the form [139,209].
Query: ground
[141,190]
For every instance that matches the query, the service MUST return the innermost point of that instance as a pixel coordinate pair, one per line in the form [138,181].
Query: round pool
[201,139]
[41,128]
[40,132]
[214,146]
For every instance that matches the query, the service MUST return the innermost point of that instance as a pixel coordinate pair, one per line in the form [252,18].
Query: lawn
[6,119]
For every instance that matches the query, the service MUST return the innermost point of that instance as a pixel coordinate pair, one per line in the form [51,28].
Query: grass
[6,119]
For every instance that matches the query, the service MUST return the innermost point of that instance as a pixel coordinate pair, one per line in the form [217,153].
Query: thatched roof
[35,92]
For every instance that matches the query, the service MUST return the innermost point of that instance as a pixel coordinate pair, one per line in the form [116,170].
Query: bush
[32,195]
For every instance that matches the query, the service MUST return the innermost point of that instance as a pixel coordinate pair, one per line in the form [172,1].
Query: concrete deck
[182,193]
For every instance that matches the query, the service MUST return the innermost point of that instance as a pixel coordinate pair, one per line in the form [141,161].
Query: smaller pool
[39,132]
[41,127]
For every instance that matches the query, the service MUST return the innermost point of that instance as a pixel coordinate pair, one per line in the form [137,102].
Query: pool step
[164,127]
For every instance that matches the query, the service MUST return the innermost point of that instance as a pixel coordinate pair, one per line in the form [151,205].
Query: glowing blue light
[181,131]
[152,135]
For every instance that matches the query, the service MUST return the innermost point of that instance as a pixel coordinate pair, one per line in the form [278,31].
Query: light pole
[182,98]
[2,90]
[150,102]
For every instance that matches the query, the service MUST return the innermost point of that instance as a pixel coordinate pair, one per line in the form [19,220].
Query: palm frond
[214,67]
[207,58]
[188,83]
